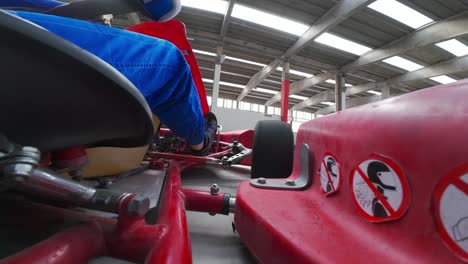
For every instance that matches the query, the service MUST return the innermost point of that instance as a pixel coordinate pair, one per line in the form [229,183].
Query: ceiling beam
[333,17]
[300,86]
[210,40]
[316,99]
[443,30]
[449,28]
[447,67]
[226,20]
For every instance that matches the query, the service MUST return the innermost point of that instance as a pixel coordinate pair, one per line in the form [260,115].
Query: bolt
[30,149]
[19,179]
[261,180]
[214,190]
[290,182]
[138,206]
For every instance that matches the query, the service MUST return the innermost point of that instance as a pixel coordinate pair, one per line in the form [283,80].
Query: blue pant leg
[156,67]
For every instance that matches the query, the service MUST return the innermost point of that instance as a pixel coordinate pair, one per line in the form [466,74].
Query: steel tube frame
[285,93]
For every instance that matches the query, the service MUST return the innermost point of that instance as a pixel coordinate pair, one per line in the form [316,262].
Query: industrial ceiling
[254,51]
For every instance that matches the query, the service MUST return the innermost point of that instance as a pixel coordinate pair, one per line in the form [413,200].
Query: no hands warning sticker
[380,189]
[330,175]
[451,211]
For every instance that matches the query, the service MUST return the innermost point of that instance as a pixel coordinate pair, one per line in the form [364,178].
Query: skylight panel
[374,92]
[443,79]
[216,6]
[403,63]
[263,90]
[342,44]
[298,97]
[454,46]
[298,73]
[245,61]
[235,85]
[330,81]
[204,52]
[268,20]
[401,13]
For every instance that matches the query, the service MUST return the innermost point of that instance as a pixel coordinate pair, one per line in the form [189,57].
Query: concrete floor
[212,238]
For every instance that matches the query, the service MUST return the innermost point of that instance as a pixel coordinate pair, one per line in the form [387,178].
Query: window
[245,106]
[220,102]
[208,98]
[270,110]
[277,111]
[295,126]
[261,108]
[255,107]
[227,103]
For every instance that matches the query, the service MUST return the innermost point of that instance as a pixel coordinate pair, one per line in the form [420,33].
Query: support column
[216,79]
[385,92]
[285,93]
[340,92]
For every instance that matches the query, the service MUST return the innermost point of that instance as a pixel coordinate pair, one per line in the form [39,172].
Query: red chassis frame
[127,237]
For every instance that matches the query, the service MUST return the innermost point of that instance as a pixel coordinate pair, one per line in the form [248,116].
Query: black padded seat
[55,95]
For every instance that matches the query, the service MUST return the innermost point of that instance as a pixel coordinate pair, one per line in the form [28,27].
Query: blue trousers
[156,67]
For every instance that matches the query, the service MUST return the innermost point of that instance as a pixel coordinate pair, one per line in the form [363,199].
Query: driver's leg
[156,67]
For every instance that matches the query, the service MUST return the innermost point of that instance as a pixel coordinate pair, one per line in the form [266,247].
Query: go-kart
[385,182]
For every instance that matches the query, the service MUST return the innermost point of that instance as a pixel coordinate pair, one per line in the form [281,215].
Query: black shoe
[211,126]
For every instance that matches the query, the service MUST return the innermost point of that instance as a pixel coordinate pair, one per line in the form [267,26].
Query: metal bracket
[300,183]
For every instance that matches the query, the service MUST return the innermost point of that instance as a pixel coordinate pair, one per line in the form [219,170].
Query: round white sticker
[380,189]
[330,175]
[451,204]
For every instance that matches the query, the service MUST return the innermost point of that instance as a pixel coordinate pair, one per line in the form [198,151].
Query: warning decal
[330,175]
[380,189]
[451,211]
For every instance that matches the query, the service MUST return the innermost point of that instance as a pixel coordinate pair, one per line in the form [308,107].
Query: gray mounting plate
[300,183]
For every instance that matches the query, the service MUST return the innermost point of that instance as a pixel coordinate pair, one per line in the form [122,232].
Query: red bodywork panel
[424,133]
[174,32]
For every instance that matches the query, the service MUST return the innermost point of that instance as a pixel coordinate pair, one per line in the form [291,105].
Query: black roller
[273,150]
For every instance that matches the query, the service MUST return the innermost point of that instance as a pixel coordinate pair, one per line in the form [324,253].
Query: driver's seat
[55,95]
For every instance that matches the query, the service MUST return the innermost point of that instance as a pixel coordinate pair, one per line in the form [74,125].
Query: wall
[234,119]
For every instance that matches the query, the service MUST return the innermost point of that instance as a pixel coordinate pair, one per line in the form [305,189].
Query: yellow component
[105,161]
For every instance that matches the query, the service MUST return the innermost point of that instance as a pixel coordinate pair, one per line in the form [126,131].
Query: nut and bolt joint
[261,180]
[138,206]
[290,182]
[214,190]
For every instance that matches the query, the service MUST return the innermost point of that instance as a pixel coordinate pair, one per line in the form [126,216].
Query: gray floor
[213,240]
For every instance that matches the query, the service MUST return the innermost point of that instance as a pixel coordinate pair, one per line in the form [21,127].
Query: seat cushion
[56,95]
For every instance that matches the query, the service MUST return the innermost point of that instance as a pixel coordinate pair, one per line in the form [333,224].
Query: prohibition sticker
[451,211]
[330,175]
[380,189]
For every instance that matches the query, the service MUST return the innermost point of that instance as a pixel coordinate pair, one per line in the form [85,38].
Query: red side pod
[422,133]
